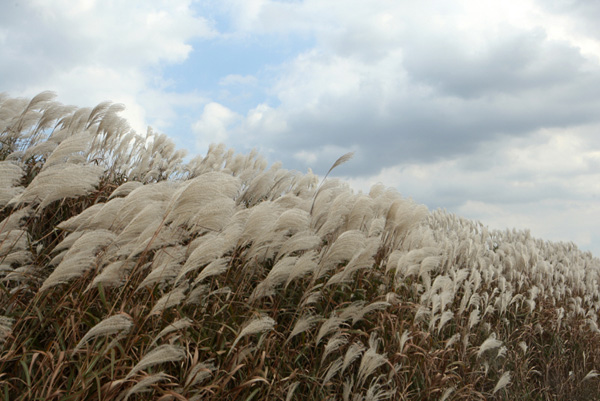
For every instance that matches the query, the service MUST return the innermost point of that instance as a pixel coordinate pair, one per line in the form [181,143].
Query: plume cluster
[126,271]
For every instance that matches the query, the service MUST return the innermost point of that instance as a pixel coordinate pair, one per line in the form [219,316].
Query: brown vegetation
[128,274]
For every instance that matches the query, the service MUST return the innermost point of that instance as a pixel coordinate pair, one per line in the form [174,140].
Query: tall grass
[126,273]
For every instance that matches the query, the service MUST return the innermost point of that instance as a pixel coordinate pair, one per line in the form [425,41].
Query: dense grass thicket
[129,274]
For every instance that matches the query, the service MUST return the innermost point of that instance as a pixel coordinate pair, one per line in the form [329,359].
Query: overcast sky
[489,109]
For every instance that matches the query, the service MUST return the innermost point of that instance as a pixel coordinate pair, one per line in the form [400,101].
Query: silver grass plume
[329,326]
[293,221]
[502,382]
[258,188]
[342,249]
[213,216]
[445,318]
[361,212]
[112,275]
[79,258]
[258,229]
[490,344]
[333,369]
[363,259]
[165,266]
[359,314]
[177,325]
[161,354]
[71,150]
[306,264]
[377,392]
[155,236]
[95,116]
[351,310]
[343,159]
[300,241]
[320,216]
[290,391]
[208,248]
[138,235]
[173,298]
[277,276]
[125,189]
[60,182]
[6,324]
[303,324]
[81,221]
[128,207]
[144,385]
[311,297]
[14,220]
[195,194]
[447,393]
[452,340]
[371,360]
[12,241]
[70,239]
[347,390]
[336,217]
[353,352]
[214,268]
[334,343]
[19,274]
[105,217]
[290,201]
[10,176]
[199,373]
[197,295]
[257,325]
[119,324]
[590,375]
[403,339]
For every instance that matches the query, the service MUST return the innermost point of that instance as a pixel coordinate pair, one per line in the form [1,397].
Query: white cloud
[265,119]
[306,157]
[401,81]
[212,127]
[91,51]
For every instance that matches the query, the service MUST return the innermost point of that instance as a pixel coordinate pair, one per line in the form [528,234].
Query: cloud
[213,124]
[408,84]
[91,51]
[516,62]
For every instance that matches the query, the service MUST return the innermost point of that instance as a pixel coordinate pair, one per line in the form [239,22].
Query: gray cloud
[515,62]
[422,93]
[586,13]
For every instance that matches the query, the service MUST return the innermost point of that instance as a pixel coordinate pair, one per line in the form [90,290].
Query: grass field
[129,274]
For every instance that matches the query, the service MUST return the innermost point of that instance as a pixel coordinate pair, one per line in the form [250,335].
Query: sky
[488,109]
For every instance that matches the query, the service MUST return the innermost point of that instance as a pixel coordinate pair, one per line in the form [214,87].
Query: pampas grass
[159,355]
[257,325]
[125,270]
[118,324]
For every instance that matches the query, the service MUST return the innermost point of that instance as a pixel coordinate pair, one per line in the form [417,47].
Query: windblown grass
[128,274]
